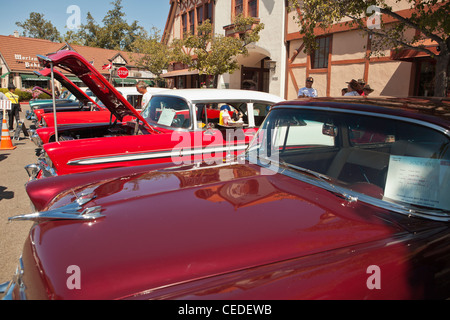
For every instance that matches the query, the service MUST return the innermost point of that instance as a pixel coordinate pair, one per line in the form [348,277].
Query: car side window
[168,111]
[388,159]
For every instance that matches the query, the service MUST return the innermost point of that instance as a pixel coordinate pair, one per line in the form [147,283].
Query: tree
[429,18]
[37,27]
[151,54]
[115,34]
[88,34]
[216,54]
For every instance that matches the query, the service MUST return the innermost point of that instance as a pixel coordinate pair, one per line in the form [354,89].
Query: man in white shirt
[308,90]
[141,87]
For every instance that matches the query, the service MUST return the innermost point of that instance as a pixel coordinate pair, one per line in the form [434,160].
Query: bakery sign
[30,62]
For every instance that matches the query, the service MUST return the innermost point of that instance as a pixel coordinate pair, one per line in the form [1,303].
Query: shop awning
[149,82]
[177,73]
[410,54]
[74,79]
[125,81]
[33,77]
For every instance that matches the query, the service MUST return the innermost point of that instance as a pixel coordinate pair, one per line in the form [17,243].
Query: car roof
[221,95]
[433,110]
[132,90]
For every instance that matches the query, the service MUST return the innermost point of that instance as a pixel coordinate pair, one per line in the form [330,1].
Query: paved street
[13,201]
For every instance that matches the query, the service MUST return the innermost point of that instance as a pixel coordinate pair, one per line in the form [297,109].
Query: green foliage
[37,27]
[216,54]
[115,34]
[151,54]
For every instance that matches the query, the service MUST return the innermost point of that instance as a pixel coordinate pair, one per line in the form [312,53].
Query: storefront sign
[30,62]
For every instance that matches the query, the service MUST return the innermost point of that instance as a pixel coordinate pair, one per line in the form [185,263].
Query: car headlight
[48,161]
[43,123]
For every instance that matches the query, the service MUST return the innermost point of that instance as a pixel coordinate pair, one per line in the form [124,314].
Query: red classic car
[333,199]
[94,116]
[175,124]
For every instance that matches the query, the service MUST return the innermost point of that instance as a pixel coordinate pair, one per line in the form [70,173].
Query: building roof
[20,53]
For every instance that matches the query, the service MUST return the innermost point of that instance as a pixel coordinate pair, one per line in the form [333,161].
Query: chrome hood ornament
[72,211]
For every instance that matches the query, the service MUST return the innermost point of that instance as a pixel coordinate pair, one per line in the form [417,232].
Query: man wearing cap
[308,90]
[15,106]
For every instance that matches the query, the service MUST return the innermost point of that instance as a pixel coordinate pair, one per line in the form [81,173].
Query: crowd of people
[354,88]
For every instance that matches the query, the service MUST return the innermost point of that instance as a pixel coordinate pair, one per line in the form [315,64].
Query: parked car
[74,99]
[333,199]
[75,117]
[186,115]
[193,121]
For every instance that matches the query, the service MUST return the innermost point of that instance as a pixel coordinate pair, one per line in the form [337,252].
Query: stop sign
[122,72]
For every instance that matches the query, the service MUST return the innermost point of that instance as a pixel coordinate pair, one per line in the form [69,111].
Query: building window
[200,16]
[192,21]
[209,12]
[238,7]
[319,57]
[184,23]
[253,8]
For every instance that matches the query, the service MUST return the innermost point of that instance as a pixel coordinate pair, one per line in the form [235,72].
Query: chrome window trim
[350,195]
[374,114]
[353,196]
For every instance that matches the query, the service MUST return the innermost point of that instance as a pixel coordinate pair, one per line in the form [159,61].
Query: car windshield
[168,111]
[398,162]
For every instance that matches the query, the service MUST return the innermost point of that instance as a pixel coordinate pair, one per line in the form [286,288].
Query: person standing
[308,90]
[15,106]
[141,87]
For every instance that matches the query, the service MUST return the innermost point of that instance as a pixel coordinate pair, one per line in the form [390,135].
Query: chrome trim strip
[34,169]
[8,288]
[353,196]
[157,155]
[4,286]
[378,115]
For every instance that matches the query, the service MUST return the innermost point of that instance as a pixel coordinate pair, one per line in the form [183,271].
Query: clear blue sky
[148,13]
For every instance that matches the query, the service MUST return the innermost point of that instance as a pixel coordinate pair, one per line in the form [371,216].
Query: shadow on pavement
[5,194]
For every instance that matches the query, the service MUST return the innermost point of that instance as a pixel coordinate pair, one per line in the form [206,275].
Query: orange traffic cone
[6,139]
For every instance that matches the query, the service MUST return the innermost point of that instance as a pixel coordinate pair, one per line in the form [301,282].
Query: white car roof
[221,95]
[132,90]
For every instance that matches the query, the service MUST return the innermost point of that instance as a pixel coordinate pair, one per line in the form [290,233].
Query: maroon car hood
[171,226]
[73,88]
[79,66]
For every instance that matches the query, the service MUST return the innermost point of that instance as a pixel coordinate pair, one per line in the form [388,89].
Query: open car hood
[79,66]
[73,88]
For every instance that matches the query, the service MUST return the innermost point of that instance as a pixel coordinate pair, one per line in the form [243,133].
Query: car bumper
[40,170]
[15,289]
[36,139]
